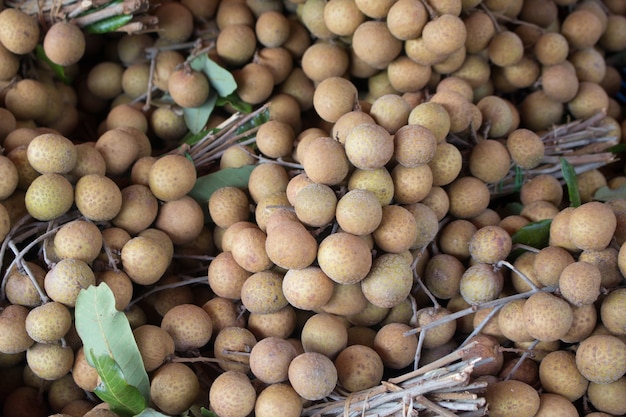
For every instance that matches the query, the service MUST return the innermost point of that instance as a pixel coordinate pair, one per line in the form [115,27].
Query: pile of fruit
[312,208]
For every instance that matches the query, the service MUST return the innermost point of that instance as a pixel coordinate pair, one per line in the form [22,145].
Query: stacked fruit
[402,208]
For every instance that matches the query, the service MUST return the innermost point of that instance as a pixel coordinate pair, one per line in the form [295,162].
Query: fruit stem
[528,281]
[482,324]
[521,359]
[191,281]
[18,257]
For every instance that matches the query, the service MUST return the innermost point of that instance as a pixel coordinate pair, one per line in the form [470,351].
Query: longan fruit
[145,259]
[505,48]
[592,226]
[175,22]
[188,88]
[138,210]
[289,245]
[442,275]
[255,83]
[104,80]
[373,43]
[312,16]
[469,197]
[333,97]
[455,236]
[359,367]
[236,44]
[270,359]
[267,180]
[64,43]
[481,283]
[98,197]
[583,324]
[550,262]
[490,244]
[20,31]
[406,18]
[407,76]
[546,316]
[389,281]
[395,349]
[489,161]
[358,212]
[15,338]
[378,181]
[312,375]
[10,64]
[342,17]
[601,358]
[181,219]
[50,361]
[49,196]
[445,34]
[174,387]
[590,99]
[582,29]
[535,120]
[512,398]
[606,397]
[542,187]
[438,335]
[278,400]
[275,139]
[579,283]
[232,394]
[119,150]
[610,314]
[171,177]
[323,60]
[432,116]
[79,239]
[344,258]
[551,48]
[480,30]
[525,147]
[397,230]
[369,146]
[272,29]
[390,111]
[324,333]
[411,184]
[233,13]
[189,325]
[325,161]
[27,99]
[308,288]
[559,82]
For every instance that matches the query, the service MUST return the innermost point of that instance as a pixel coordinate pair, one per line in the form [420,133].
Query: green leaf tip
[535,234]
[220,78]
[123,398]
[569,175]
[58,70]
[106,331]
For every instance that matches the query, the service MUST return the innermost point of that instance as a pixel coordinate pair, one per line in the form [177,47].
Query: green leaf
[236,102]
[207,184]
[257,120]
[193,138]
[569,174]
[619,148]
[110,24]
[196,118]
[151,412]
[220,78]
[58,70]
[207,413]
[535,234]
[123,399]
[607,194]
[106,332]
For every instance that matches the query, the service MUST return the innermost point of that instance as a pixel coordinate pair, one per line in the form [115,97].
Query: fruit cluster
[435,178]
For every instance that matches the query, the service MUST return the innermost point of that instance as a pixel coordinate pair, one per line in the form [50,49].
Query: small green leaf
[569,174]
[151,412]
[236,102]
[110,24]
[619,148]
[229,177]
[257,120]
[58,70]
[607,194]
[123,399]
[196,118]
[513,207]
[207,413]
[105,331]
[220,78]
[535,234]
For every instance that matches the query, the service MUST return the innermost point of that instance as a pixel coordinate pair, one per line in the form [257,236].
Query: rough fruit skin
[389,280]
[312,375]
[171,177]
[155,345]
[13,335]
[601,358]
[174,388]
[19,32]
[359,367]
[345,258]
[558,374]
[547,317]
[512,399]
[592,226]
[50,361]
[189,325]
[232,395]
[64,43]
[49,196]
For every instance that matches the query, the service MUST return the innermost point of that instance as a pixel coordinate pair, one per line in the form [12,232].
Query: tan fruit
[174,388]
[65,280]
[270,359]
[232,394]
[406,19]
[445,34]
[290,246]
[374,44]
[9,67]
[469,197]
[146,259]
[308,288]
[582,29]
[359,367]
[607,397]
[171,177]
[262,293]
[267,180]
[281,323]
[50,361]
[490,244]
[226,276]
[511,323]
[20,32]
[48,323]
[512,398]
[550,262]
[78,239]
[458,108]
[230,341]
[583,323]
[547,317]
[579,283]
[15,338]
[324,60]
[84,375]
[325,161]
[395,349]
[439,335]
[52,153]
[610,39]
[486,347]
[551,48]
[120,284]
[505,48]
[592,226]
[315,205]
[249,250]
[342,17]
[446,164]
[334,97]
[49,196]
[481,283]
[432,116]
[555,405]
[189,325]
[610,311]
[324,333]
[542,187]
[312,375]
[378,181]
[601,358]
[181,219]
[454,238]
[411,184]
[590,99]
[345,258]
[255,83]
[358,212]
[489,161]
[98,197]
[442,275]
[119,150]
[346,299]
[389,281]
[64,43]
[525,265]
[526,148]
[155,345]
[278,399]
[223,313]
